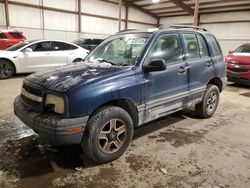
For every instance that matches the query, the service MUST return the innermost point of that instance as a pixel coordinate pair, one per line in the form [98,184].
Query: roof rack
[182,26]
[125,30]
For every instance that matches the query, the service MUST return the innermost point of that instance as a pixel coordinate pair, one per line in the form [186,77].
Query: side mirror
[27,50]
[230,51]
[155,65]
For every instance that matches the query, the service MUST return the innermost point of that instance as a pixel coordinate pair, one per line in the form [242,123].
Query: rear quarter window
[216,50]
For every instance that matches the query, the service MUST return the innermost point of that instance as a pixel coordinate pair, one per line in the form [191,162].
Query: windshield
[243,49]
[17,46]
[121,50]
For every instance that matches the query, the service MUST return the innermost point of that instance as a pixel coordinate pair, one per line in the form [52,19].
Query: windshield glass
[243,49]
[17,46]
[20,45]
[121,50]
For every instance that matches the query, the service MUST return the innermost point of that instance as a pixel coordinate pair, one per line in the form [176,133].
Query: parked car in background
[10,37]
[238,65]
[87,43]
[130,79]
[38,55]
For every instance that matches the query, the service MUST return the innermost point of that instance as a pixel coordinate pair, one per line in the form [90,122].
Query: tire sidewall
[90,142]
[210,89]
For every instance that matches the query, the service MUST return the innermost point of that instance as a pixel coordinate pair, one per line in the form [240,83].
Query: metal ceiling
[169,8]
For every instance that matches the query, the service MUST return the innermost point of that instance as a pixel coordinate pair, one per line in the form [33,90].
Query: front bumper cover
[52,129]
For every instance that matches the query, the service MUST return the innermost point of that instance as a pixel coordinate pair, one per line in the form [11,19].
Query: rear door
[166,90]
[38,59]
[59,53]
[63,53]
[199,62]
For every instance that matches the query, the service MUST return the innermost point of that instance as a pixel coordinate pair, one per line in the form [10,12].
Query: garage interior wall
[99,19]
[225,26]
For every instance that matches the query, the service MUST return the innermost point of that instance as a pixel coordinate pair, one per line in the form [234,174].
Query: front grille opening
[237,69]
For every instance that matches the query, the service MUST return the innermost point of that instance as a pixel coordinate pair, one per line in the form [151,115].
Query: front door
[38,58]
[166,91]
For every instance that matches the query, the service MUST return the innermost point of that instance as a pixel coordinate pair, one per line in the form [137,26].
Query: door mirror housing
[155,65]
[230,51]
[27,50]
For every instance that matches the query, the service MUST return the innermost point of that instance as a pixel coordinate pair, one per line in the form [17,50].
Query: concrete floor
[176,151]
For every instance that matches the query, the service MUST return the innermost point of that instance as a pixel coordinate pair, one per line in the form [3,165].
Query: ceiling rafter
[184,6]
[131,4]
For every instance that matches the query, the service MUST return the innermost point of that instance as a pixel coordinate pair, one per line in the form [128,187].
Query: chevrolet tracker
[131,78]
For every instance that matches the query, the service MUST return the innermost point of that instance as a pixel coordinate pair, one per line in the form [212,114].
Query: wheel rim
[112,136]
[5,69]
[212,102]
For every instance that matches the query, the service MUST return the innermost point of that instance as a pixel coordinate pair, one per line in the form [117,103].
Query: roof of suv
[166,28]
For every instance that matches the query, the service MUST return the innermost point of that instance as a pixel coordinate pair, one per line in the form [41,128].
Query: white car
[38,55]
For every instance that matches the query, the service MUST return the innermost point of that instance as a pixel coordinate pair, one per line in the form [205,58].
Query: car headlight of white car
[55,103]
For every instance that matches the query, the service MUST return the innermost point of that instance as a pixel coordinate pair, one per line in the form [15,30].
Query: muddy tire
[7,69]
[107,135]
[207,107]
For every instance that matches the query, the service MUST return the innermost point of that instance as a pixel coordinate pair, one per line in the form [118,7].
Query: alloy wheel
[112,136]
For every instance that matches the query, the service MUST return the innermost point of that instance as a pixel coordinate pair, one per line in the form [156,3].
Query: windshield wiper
[105,61]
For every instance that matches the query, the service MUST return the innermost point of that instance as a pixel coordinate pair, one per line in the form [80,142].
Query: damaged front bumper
[52,129]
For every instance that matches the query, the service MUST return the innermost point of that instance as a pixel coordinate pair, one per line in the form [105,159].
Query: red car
[10,37]
[238,65]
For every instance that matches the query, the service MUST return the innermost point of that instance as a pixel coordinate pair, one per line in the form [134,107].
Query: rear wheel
[7,69]
[207,107]
[108,134]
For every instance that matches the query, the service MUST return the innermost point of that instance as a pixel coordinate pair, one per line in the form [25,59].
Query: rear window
[192,46]
[214,45]
[243,49]
[16,35]
[3,36]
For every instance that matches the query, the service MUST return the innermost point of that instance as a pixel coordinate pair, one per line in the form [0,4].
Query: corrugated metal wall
[48,24]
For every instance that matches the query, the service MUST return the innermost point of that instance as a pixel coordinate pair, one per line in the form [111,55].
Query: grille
[32,104]
[237,69]
[32,90]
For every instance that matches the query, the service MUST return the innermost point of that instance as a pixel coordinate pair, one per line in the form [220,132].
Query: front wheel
[108,134]
[6,69]
[207,107]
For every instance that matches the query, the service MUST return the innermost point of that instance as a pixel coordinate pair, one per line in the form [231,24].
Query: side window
[168,48]
[59,46]
[214,45]
[191,46]
[16,35]
[41,46]
[72,47]
[202,46]
[3,36]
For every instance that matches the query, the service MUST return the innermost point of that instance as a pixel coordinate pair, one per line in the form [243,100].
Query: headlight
[55,103]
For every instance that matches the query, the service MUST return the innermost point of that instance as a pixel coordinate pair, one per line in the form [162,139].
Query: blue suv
[130,79]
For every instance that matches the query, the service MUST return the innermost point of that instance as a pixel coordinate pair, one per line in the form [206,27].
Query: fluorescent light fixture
[155,1]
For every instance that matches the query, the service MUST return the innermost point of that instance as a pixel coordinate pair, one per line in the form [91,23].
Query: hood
[238,57]
[5,53]
[64,78]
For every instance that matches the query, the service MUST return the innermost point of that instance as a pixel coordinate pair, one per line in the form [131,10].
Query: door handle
[182,71]
[46,54]
[209,63]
